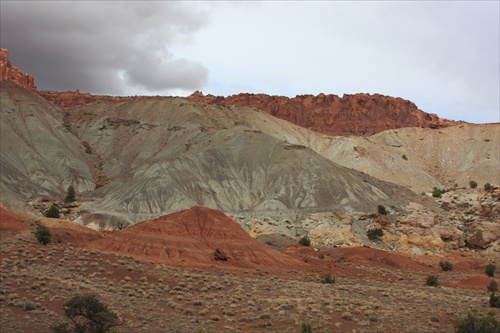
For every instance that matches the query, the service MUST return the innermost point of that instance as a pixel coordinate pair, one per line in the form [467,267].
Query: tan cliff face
[11,73]
[358,114]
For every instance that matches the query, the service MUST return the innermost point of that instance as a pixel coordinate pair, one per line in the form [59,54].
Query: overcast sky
[441,55]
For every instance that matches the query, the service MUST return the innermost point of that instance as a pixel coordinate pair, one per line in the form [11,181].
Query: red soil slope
[191,238]
[10,222]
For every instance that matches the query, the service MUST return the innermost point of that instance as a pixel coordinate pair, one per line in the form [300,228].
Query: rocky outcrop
[11,73]
[463,226]
[358,114]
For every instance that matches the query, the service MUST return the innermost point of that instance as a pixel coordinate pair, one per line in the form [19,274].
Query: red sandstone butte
[11,73]
[358,114]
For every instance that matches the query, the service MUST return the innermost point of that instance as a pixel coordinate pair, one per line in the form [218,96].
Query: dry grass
[36,280]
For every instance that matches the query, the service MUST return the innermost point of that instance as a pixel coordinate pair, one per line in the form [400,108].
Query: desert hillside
[246,214]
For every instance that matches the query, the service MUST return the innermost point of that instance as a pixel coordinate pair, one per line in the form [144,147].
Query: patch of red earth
[10,222]
[190,238]
[477,282]
[380,258]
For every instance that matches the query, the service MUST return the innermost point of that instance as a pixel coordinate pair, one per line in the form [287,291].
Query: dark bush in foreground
[472,184]
[432,280]
[490,270]
[475,323]
[493,287]
[446,265]
[87,315]
[43,234]
[494,300]
[488,187]
[306,328]
[305,241]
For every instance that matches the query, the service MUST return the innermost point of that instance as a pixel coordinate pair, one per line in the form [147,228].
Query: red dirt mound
[191,238]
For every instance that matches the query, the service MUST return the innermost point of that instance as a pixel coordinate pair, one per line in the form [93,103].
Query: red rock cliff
[359,114]
[11,73]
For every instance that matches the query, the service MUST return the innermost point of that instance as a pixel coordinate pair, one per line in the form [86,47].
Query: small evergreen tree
[43,234]
[53,212]
[70,195]
[488,187]
[472,184]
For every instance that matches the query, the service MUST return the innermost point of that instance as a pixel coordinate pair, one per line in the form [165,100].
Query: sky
[441,55]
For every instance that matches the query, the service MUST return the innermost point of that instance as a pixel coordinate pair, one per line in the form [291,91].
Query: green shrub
[438,193]
[432,280]
[53,212]
[493,286]
[328,279]
[43,234]
[494,301]
[404,157]
[472,184]
[375,234]
[305,241]
[446,265]
[475,323]
[70,194]
[382,210]
[87,315]
[306,328]
[490,270]
[488,187]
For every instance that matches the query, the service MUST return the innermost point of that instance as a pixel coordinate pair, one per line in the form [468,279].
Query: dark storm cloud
[103,47]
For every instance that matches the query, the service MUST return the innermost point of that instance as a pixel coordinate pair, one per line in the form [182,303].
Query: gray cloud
[104,47]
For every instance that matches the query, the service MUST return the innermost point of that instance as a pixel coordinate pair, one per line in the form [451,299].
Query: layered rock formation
[11,73]
[358,114]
